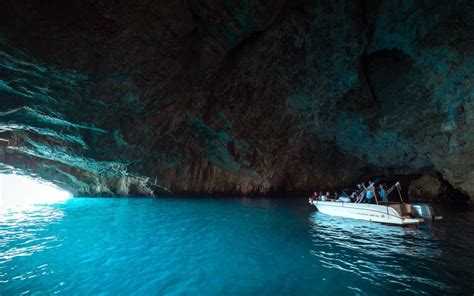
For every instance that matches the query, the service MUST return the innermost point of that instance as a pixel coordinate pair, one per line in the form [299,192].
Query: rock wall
[235,97]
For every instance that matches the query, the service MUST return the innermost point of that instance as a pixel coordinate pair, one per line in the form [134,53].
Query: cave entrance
[24,190]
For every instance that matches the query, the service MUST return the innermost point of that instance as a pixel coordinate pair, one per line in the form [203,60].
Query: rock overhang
[239,99]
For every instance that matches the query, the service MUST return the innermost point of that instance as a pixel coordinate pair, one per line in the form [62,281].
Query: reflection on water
[406,259]
[373,238]
[25,231]
[215,246]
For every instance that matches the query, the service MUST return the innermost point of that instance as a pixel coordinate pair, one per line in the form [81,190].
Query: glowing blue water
[226,246]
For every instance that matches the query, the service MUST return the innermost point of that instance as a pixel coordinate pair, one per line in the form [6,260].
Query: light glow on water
[226,246]
[22,190]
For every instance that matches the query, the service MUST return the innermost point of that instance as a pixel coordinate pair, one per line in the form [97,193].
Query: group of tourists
[325,196]
[373,194]
[366,194]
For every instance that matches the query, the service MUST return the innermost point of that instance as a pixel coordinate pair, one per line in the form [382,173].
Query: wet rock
[236,97]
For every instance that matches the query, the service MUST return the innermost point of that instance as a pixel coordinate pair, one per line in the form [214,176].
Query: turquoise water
[190,246]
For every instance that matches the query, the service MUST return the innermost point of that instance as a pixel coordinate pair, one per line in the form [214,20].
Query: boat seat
[402,209]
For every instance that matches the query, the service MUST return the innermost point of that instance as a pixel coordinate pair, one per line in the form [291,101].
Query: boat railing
[362,194]
[398,187]
[366,189]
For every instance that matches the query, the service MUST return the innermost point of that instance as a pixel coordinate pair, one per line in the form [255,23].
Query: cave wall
[235,97]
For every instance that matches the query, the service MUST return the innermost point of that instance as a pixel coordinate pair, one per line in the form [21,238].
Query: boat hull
[369,212]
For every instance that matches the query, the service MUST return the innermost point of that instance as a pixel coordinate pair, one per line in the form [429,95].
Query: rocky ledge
[236,97]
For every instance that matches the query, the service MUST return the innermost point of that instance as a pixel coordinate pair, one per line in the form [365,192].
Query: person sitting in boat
[322,197]
[328,195]
[315,196]
[383,193]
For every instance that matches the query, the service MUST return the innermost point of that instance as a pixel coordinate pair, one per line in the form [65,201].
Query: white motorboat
[400,213]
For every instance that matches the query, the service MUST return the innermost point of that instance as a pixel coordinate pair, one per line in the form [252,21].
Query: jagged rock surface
[425,187]
[240,97]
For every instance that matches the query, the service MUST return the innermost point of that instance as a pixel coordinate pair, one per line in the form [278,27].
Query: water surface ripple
[231,246]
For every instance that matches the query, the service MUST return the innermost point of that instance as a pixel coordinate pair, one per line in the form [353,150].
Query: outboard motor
[424,211]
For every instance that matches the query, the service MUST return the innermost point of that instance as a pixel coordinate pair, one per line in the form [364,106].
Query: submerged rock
[253,97]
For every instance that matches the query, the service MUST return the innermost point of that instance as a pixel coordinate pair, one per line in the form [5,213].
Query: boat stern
[424,211]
